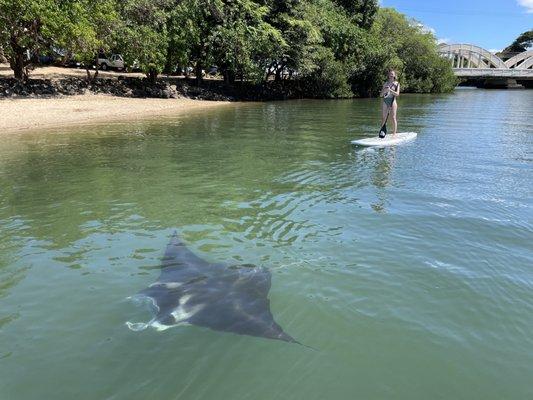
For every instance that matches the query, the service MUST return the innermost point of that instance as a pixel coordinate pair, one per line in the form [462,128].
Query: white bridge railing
[512,73]
[469,60]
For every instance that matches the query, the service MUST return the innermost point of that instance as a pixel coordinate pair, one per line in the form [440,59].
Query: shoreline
[44,113]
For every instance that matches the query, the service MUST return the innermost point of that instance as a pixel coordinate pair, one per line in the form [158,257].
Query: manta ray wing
[239,304]
[222,298]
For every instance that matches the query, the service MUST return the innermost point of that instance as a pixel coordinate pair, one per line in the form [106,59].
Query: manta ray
[229,298]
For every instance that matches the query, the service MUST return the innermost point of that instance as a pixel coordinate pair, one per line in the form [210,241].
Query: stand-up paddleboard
[389,140]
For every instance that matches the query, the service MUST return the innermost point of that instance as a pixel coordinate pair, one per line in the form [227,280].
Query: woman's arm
[397,92]
[384,90]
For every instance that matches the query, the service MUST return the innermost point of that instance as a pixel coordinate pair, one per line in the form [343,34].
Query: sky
[491,24]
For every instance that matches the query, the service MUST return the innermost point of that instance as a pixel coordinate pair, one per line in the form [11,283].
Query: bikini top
[394,87]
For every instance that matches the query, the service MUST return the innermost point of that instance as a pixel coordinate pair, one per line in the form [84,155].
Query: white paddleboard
[389,140]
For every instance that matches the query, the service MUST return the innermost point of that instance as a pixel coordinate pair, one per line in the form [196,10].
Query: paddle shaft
[384,127]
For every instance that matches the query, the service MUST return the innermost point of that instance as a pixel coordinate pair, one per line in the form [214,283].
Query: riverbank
[23,114]
[52,81]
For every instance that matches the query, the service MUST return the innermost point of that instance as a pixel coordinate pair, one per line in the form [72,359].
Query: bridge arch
[522,60]
[476,64]
[470,56]
[528,64]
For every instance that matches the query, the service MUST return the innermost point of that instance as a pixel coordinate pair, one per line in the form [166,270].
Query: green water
[408,269]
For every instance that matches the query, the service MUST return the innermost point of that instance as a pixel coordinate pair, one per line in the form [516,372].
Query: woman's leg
[394,108]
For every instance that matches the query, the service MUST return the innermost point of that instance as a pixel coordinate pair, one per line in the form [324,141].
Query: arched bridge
[470,61]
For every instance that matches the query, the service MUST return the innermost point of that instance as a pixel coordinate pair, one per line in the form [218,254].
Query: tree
[27,27]
[366,75]
[142,37]
[363,11]
[521,43]
[234,35]
[413,52]
[242,43]
[90,26]
[194,22]
[300,37]
[325,48]
[337,50]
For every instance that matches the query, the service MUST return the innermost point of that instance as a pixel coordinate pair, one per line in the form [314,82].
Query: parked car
[60,57]
[114,62]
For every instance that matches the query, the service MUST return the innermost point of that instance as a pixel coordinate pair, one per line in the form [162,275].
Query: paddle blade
[383,130]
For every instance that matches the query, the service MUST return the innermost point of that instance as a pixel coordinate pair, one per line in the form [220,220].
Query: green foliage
[89,28]
[322,42]
[367,74]
[193,23]
[234,35]
[327,48]
[142,36]
[328,79]
[242,41]
[412,52]
[26,27]
[521,43]
[363,11]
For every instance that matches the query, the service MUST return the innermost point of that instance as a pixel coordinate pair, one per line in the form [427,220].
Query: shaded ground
[52,81]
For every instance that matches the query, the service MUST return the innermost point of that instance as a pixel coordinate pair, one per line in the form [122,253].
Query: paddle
[383,130]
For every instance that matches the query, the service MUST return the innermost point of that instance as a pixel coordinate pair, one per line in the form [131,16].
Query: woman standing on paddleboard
[389,92]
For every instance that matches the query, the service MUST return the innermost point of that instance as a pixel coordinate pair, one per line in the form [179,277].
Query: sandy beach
[23,114]
[35,113]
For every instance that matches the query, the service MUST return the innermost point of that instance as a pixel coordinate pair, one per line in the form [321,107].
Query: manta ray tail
[288,338]
[137,326]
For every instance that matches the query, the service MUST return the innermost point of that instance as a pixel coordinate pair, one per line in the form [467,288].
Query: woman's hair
[394,72]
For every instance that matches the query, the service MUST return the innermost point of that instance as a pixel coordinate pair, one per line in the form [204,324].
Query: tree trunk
[198,73]
[169,64]
[17,63]
[269,70]
[152,75]
[231,76]
[18,66]
[89,78]
[279,69]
